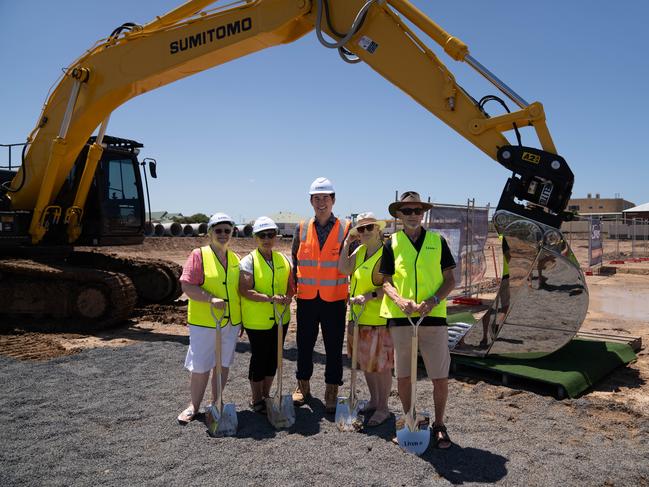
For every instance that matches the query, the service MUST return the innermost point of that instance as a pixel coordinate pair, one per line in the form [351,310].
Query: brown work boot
[331,398]
[302,393]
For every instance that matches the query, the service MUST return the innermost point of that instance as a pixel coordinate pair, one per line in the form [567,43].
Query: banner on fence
[465,230]
[595,249]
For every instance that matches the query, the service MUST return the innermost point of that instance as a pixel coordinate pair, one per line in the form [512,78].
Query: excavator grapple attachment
[542,304]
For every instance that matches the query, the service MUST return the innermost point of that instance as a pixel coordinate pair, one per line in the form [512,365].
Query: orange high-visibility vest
[317,270]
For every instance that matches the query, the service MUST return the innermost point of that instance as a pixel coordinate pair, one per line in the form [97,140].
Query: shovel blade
[222,423]
[281,414]
[413,441]
[347,415]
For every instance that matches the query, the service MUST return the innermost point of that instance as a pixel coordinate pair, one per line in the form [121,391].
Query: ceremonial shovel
[410,437]
[280,409]
[221,419]
[348,407]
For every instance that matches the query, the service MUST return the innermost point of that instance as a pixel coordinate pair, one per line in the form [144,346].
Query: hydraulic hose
[357,22]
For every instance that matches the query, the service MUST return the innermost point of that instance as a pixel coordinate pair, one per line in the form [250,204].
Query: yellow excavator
[46,205]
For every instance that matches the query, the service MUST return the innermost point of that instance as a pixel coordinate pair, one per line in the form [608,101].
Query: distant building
[164,216]
[641,212]
[605,207]
[287,221]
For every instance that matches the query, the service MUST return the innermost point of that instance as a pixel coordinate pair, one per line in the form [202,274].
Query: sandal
[373,422]
[258,407]
[187,415]
[440,429]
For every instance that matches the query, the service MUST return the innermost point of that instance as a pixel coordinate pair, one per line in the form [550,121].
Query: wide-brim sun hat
[408,198]
[367,218]
[217,218]
[263,223]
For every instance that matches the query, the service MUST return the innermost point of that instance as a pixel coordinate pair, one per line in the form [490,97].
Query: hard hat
[263,223]
[217,218]
[321,186]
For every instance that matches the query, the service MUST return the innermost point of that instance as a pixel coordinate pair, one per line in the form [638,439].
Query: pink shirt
[193,269]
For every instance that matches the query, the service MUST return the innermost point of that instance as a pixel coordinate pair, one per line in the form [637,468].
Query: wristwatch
[374,295]
[436,299]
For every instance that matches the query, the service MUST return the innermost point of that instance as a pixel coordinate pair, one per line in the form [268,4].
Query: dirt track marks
[31,346]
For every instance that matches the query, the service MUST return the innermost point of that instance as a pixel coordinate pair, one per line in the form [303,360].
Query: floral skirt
[375,349]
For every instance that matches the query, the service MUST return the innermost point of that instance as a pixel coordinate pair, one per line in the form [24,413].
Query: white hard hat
[263,223]
[321,186]
[217,218]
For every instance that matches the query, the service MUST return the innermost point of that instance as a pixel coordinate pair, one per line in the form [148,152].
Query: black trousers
[313,314]
[263,352]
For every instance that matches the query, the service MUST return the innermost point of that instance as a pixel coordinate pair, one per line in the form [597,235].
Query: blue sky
[248,137]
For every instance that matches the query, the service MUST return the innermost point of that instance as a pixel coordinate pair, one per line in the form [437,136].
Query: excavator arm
[189,39]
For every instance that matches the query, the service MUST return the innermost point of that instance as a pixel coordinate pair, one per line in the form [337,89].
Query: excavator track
[63,297]
[155,280]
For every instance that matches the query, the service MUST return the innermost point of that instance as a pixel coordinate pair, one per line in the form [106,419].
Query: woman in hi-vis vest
[375,351]
[211,278]
[267,287]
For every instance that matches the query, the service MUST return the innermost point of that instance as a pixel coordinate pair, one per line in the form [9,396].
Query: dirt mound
[164,314]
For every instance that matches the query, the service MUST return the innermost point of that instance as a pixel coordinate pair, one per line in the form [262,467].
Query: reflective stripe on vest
[417,275]
[362,283]
[317,269]
[268,281]
[222,283]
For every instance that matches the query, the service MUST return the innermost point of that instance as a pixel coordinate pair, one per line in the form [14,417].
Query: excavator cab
[114,212]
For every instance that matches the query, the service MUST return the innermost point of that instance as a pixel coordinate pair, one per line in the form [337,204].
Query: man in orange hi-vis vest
[321,293]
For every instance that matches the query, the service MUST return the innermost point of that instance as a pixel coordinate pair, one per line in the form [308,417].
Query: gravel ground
[107,416]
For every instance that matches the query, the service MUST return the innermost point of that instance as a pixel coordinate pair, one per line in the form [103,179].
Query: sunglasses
[411,211]
[264,235]
[362,229]
[219,231]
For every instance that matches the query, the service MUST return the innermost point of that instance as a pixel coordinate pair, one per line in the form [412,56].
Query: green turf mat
[577,366]
[465,317]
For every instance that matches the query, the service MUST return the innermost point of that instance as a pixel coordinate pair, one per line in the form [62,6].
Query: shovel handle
[414,348]
[280,346]
[219,386]
[355,318]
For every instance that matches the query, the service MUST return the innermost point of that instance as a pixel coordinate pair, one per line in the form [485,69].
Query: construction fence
[620,237]
[477,250]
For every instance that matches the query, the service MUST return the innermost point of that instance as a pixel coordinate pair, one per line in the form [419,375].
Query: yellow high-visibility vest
[417,275]
[222,283]
[362,284]
[505,261]
[269,281]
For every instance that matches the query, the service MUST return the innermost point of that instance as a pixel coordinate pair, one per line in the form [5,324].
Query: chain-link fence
[621,237]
